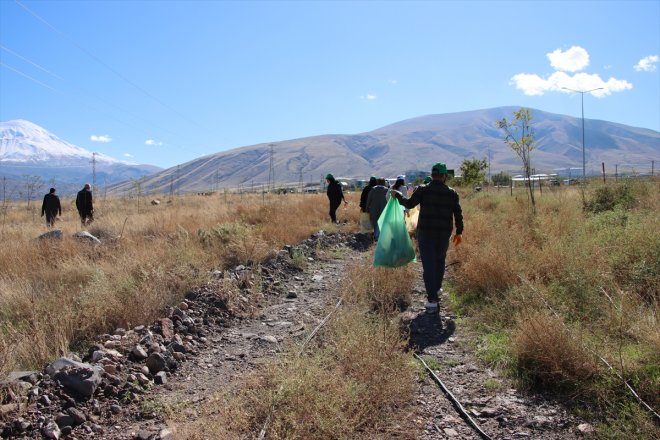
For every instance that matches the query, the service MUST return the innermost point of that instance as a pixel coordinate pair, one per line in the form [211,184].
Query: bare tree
[32,185]
[520,137]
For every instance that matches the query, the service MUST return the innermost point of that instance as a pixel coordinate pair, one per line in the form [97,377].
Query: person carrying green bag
[439,209]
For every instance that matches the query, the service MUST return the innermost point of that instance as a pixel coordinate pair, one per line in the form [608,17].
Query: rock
[166,434]
[45,400]
[586,428]
[76,376]
[183,305]
[449,432]
[54,234]
[27,376]
[167,328]
[155,202]
[489,412]
[317,278]
[139,353]
[160,378]
[115,409]
[142,435]
[84,235]
[269,338]
[78,416]
[63,420]
[291,294]
[51,430]
[155,363]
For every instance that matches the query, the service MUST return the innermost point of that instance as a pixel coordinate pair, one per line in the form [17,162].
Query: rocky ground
[121,387]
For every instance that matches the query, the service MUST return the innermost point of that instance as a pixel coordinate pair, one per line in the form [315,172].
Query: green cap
[373,179]
[330,177]
[427,179]
[439,168]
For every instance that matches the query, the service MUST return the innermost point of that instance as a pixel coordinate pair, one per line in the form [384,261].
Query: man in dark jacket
[439,208]
[335,196]
[365,193]
[84,205]
[51,207]
[375,205]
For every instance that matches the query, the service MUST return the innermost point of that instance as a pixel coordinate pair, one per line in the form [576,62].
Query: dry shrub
[356,384]
[549,354]
[386,290]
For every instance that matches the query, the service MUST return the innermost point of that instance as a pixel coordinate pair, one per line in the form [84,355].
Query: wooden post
[511,185]
[616,172]
[603,164]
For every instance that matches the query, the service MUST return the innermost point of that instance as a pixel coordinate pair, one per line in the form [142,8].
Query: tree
[472,171]
[520,137]
[502,179]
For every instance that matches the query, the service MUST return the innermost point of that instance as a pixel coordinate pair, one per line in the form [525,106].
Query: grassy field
[557,294]
[55,294]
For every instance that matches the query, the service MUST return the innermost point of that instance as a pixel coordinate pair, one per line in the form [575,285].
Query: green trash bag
[394,248]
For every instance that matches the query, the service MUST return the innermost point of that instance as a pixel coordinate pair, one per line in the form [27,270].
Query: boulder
[54,234]
[84,235]
[76,376]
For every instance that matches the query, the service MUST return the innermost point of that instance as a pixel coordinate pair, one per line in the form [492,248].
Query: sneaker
[431,307]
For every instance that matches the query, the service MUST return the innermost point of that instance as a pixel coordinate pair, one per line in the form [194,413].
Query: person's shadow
[426,330]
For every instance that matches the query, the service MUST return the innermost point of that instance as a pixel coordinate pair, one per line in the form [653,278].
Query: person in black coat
[439,211]
[365,193]
[335,196]
[84,205]
[51,207]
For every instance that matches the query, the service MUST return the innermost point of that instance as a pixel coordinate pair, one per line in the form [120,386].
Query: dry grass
[57,293]
[598,268]
[353,382]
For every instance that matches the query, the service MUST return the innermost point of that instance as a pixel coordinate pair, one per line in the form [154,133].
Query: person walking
[376,201]
[51,207]
[335,196]
[439,210]
[365,193]
[85,205]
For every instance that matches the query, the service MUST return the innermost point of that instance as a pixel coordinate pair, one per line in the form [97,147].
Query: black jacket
[51,205]
[335,193]
[363,197]
[439,208]
[84,202]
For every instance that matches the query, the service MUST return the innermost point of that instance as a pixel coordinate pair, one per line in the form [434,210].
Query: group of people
[439,213]
[51,206]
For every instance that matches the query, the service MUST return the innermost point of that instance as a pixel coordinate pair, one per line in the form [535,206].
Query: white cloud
[101,138]
[534,85]
[647,64]
[573,60]
[128,155]
[369,97]
[153,143]
[393,82]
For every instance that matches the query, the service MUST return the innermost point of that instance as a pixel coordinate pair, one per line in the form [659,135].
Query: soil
[208,341]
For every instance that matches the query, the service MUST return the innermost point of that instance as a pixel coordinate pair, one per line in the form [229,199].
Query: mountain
[415,144]
[28,150]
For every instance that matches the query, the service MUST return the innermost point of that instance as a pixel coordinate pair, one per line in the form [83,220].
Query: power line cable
[104,64]
[29,77]
[30,62]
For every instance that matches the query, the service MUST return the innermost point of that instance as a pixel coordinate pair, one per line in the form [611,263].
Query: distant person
[376,201]
[51,208]
[335,196]
[85,206]
[439,209]
[400,185]
[365,193]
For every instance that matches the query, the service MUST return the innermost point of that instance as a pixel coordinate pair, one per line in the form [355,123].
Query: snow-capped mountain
[28,150]
[25,142]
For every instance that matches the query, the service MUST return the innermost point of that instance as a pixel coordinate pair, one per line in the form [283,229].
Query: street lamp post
[584,161]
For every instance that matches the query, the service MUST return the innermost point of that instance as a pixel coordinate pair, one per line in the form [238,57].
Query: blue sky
[164,82]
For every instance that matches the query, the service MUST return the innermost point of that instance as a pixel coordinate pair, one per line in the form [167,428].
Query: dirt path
[204,348]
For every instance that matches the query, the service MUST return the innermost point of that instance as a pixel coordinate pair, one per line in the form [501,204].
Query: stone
[291,294]
[63,420]
[139,353]
[54,234]
[586,428]
[51,430]
[449,432]
[86,236]
[269,338]
[155,363]
[27,376]
[183,305]
[76,376]
[167,328]
[45,400]
[78,416]
[160,378]
[115,409]
[165,434]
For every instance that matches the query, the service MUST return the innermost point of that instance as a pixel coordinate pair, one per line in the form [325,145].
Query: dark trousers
[433,251]
[333,210]
[86,218]
[50,218]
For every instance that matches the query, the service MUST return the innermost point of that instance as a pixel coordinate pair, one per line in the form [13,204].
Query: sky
[165,82]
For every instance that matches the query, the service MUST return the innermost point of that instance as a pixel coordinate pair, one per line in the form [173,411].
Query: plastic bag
[394,248]
[365,223]
[412,216]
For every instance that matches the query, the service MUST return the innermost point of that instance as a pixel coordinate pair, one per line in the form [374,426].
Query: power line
[29,77]
[30,62]
[104,64]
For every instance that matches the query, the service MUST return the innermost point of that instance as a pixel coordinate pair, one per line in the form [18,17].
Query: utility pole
[489,181]
[652,167]
[616,172]
[271,170]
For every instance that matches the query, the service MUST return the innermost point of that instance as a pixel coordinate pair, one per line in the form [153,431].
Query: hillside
[414,144]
